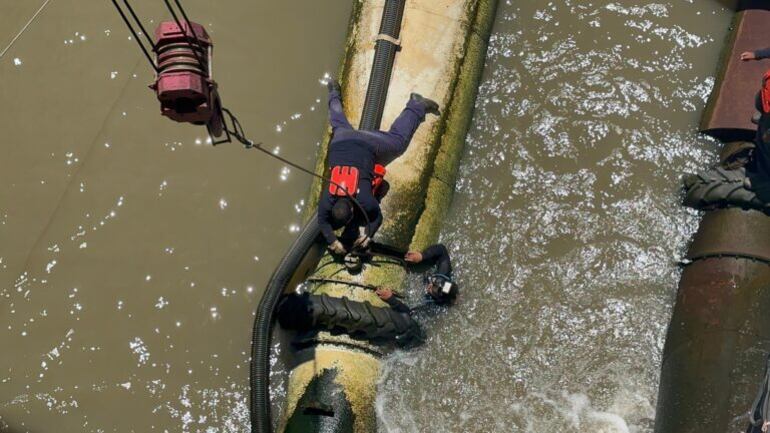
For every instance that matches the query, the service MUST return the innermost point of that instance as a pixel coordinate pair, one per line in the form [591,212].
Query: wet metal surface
[716,347]
[731,106]
[732,231]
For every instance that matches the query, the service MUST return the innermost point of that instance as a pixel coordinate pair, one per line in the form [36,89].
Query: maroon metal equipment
[184,86]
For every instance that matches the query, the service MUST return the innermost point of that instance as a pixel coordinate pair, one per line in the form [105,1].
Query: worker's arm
[438,255]
[375,224]
[390,298]
[755,55]
[324,219]
[370,205]
[762,54]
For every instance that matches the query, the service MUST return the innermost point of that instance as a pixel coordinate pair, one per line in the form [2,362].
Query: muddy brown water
[132,254]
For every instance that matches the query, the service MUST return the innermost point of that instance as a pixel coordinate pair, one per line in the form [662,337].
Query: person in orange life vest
[758,171]
[352,157]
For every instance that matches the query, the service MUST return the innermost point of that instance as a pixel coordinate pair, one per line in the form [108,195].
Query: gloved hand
[363,241]
[334,86]
[337,248]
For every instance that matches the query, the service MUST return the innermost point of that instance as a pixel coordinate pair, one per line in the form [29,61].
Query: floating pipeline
[332,384]
[719,335]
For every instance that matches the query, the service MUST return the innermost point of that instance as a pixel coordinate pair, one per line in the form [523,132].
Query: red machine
[184,86]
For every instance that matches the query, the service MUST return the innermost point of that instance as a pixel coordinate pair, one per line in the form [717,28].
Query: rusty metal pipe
[719,335]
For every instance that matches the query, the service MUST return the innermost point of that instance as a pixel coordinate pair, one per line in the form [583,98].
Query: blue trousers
[386,146]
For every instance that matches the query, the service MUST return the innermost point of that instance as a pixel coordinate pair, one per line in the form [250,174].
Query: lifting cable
[24,29]
[236,129]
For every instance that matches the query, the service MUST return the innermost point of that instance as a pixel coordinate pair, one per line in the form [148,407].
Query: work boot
[431,106]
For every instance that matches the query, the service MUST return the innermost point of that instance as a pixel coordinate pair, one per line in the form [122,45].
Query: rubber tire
[341,315]
[718,188]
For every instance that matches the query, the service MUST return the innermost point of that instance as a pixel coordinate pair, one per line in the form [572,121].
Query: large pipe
[719,335]
[333,380]
[259,374]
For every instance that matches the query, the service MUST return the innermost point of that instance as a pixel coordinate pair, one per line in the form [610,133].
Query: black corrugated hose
[384,55]
[263,326]
[376,94]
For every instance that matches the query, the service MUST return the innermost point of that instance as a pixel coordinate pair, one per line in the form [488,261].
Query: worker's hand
[334,86]
[413,257]
[384,293]
[337,248]
[363,240]
[748,55]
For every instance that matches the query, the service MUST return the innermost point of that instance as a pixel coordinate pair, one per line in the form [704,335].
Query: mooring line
[24,29]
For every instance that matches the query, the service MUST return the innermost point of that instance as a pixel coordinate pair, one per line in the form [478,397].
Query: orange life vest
[344,180]
[766,93]
[379,177]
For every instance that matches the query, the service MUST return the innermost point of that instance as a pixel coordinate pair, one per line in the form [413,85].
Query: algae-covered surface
[443,64]
[359,383]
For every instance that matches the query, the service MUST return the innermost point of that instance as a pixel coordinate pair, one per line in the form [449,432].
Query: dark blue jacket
[762,54]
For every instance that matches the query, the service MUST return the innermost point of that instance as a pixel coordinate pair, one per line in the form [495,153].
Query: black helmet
[442,289]
[342,212]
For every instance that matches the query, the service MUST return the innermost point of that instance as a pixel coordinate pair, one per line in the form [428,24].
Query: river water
[132,254]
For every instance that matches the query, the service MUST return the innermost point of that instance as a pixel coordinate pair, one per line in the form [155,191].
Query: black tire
[718,188]
[360,320]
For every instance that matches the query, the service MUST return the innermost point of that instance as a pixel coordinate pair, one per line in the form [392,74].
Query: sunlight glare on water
[586,118]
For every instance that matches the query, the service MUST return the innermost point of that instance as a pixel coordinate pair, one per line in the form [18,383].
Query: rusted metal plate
[736,232]
[731,105]
[717,341]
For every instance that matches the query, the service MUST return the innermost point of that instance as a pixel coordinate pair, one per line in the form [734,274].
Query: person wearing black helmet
[440,288]
[352,158]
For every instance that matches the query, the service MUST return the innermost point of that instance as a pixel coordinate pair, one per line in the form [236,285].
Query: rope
[389,38]
[347,283]
[240,135]
[237,130]
[24,29]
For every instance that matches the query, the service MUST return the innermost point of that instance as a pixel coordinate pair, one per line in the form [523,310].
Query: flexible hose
[376,94]
[263,326]
[384,55]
